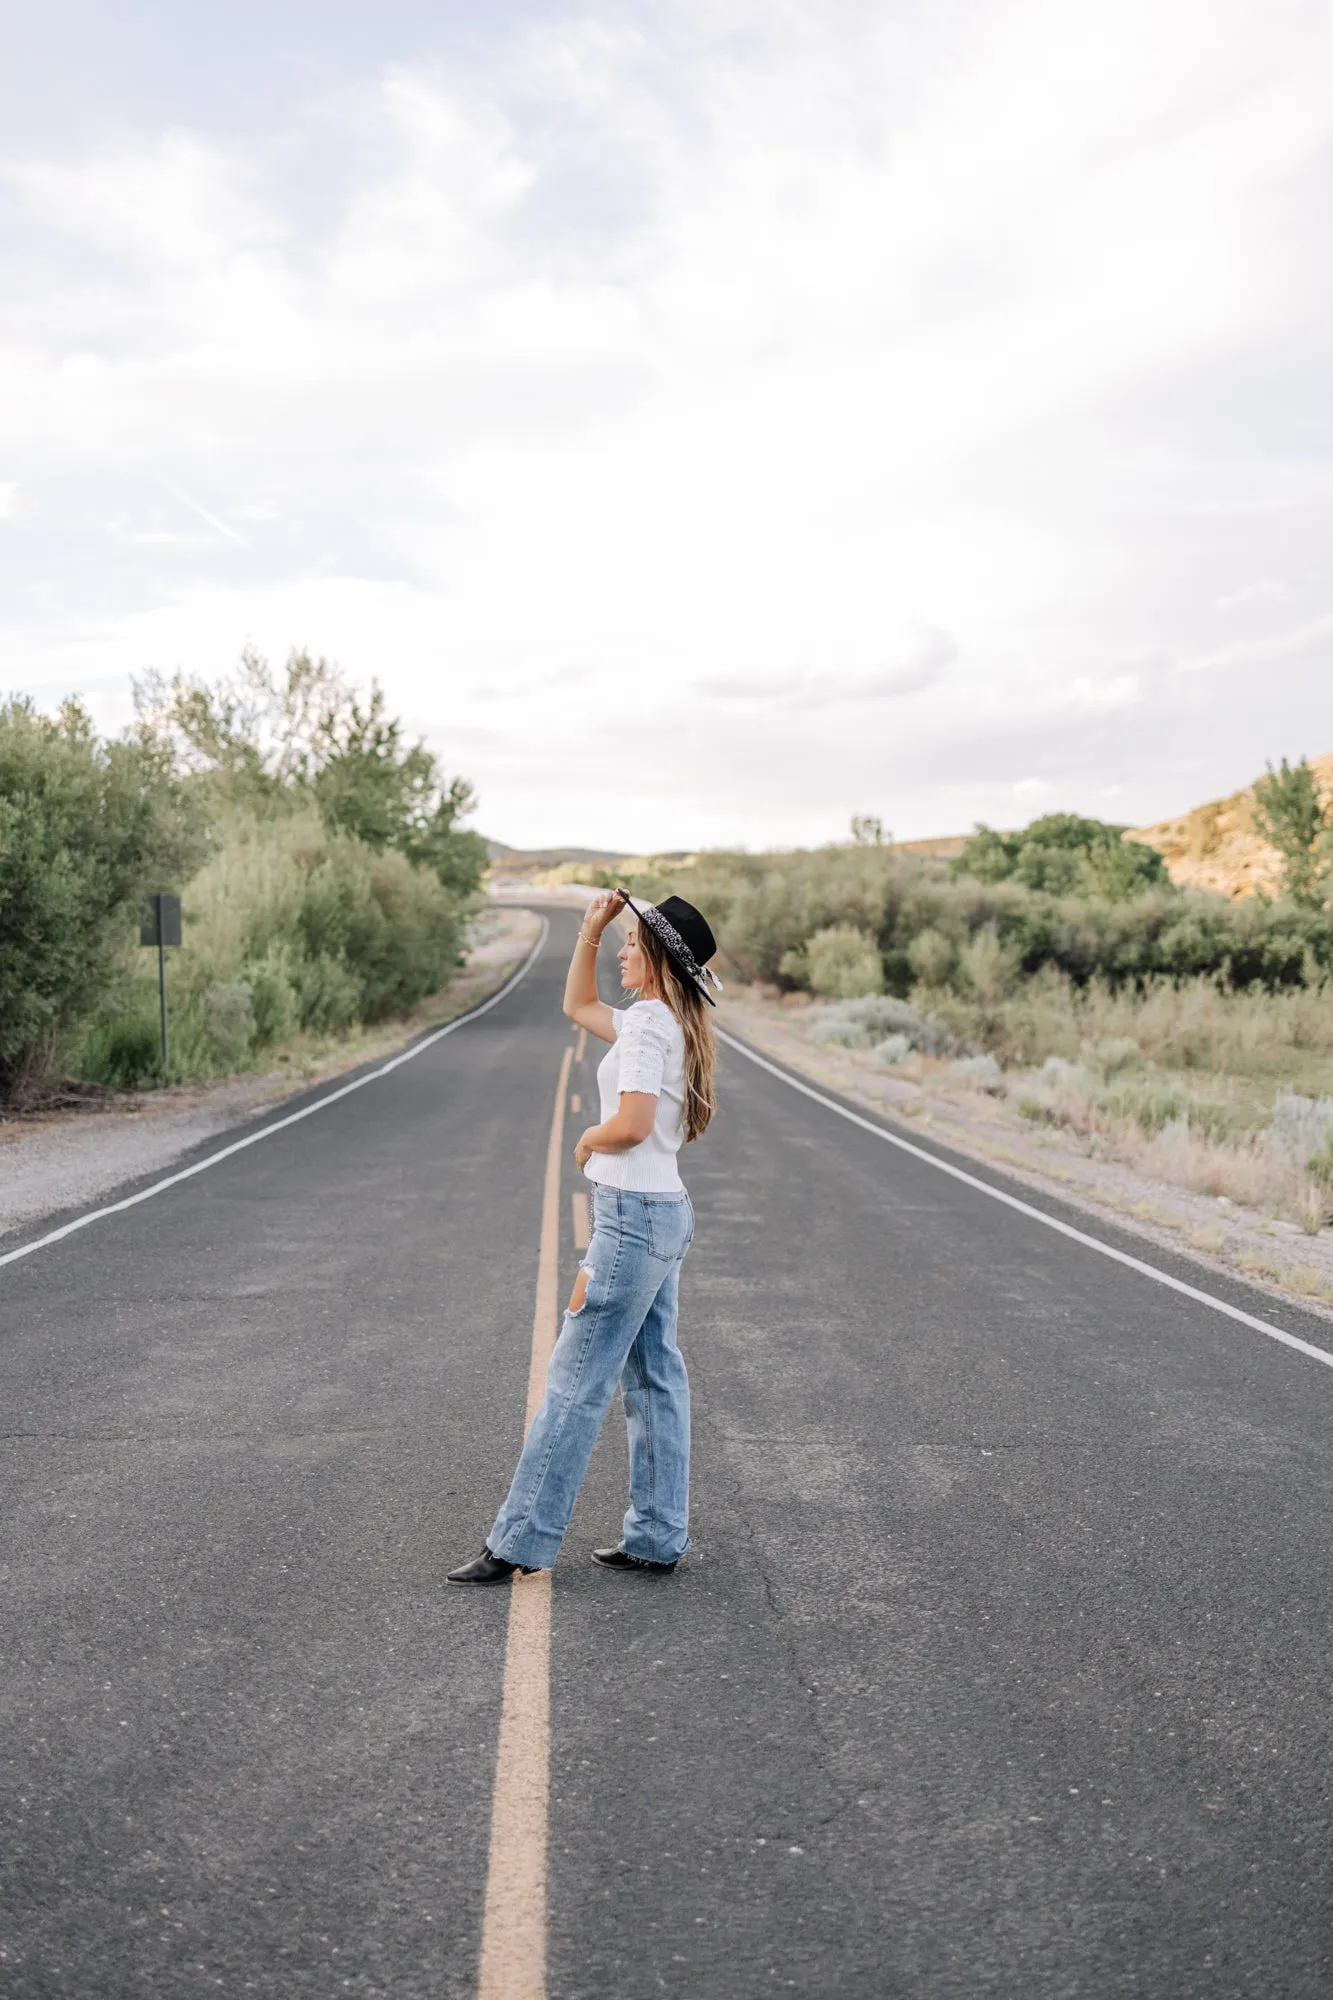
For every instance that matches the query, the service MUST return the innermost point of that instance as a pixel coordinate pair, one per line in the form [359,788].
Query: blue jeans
[624,1332]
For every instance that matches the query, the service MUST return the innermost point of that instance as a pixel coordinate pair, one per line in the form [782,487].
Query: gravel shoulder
[1219,1236]
[52,1161]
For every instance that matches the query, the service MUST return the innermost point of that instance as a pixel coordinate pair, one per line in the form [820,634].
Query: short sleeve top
[648,1056]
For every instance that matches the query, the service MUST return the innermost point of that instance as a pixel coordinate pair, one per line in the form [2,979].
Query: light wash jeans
[625,1332]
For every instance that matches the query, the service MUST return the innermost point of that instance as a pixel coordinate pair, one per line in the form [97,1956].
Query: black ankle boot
[486,1568]
[617,1559]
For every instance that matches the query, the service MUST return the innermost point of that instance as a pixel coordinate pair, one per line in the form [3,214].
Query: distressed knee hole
[580,1291]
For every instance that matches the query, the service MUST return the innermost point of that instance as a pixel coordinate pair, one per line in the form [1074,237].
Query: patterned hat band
[670,938]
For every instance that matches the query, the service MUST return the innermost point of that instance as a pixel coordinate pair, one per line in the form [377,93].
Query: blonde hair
[690,1008]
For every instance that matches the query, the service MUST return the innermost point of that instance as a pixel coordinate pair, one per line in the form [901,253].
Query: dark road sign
[160,920]
[160,925]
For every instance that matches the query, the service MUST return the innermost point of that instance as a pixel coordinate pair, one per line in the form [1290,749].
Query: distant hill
[944,847]
[532,860]
[1214,846]
[524,861]
[1217,846]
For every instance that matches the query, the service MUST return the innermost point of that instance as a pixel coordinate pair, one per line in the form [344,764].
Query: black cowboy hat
[683,932]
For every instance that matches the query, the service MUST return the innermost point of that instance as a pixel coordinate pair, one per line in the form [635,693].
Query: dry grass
[1194,1025]
[1298,1278]
[1185,1142]
[1188,1082]
[1229,1095]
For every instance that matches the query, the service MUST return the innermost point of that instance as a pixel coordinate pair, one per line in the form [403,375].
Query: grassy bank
[1226,1094]
[325,880]
[496,941]
[292,931]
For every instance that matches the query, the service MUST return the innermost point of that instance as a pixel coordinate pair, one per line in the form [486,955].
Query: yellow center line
[513,1927]
[582,1221]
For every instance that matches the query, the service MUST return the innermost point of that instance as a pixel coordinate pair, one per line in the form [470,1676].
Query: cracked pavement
[999,1665]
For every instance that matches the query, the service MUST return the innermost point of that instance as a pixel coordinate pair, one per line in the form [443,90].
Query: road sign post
[160,924]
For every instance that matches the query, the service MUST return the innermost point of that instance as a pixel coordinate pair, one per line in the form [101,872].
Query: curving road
[1000,1666]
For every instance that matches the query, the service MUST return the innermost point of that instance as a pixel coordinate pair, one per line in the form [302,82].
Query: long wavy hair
[682,996]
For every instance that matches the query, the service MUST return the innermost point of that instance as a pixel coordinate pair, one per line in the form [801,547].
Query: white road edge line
[1037,1215]
[281,1124]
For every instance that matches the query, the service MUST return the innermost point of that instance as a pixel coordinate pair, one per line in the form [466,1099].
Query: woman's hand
[581,1002]
[583,1152]
[601,910]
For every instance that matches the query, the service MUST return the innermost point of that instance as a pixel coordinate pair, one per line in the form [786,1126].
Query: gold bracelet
[587,940]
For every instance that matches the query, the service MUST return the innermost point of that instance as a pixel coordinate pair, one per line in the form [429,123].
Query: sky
[706,422]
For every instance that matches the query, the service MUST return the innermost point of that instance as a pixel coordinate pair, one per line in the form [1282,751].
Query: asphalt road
[1000,1664]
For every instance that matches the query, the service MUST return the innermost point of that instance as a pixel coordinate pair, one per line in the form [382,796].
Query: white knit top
[647,1055]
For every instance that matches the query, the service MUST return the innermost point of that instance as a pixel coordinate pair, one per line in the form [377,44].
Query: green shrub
[1150,1109]
[325,930]
[839,963]
[86,826]
[1111,1055]
[273,998]
[123,1054]
[334,887]
[1064,854]
[290,925]
[869,1022]
[988,969]
[842,963]
[1290,811]
[1036,1109]
[328,995]
[229,1021]
[932,956]
[838,1034]
[766,908]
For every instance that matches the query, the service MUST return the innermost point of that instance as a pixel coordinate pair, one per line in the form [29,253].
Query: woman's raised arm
[581,1002]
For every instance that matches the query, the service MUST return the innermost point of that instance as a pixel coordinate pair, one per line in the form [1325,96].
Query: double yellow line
[513,1929]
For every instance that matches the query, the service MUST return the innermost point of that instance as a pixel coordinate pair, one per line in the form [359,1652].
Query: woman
[656,1086]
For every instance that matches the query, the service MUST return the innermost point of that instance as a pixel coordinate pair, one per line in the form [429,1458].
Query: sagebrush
[981,939]
[86,828]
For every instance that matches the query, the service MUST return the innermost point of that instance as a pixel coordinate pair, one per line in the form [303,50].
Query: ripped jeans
[624,1332]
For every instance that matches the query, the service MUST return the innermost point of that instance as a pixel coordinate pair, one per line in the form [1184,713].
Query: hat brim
[671,941]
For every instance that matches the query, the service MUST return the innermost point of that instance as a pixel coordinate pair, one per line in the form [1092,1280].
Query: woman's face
[633,965]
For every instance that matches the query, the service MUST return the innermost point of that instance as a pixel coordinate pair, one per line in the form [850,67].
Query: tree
[86,827]
[868,831]
[271,740]
[1065,854]
[840,962]
[1290,812]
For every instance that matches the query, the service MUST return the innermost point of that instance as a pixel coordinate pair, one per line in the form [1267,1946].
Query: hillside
[1213,846]
[518,863]
[1216,846]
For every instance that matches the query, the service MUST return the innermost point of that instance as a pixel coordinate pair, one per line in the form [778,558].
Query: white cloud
[1262,590]
[1315,637]
[644,361]
[921,666]
[1122,691]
